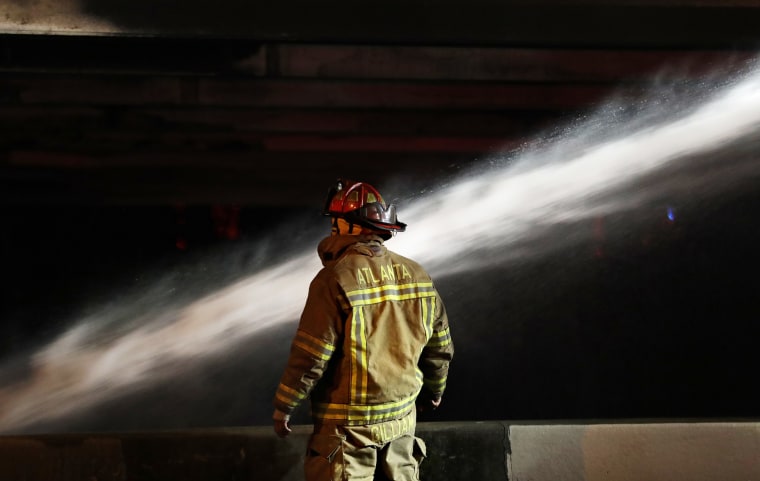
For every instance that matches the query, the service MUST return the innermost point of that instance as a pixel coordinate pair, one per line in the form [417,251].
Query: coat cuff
[280,416]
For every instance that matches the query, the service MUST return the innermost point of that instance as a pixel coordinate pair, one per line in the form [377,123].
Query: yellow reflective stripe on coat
[440,338]
[391,292]
[313,345]
[435,385]
[428,316]
[363,414]
[359,374]
[288,395]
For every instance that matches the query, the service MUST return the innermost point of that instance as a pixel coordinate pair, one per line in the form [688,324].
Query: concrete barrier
[467,451]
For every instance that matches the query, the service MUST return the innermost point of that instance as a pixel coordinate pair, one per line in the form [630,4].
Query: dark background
[170,143]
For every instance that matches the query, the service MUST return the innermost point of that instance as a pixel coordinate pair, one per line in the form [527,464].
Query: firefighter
[373,342]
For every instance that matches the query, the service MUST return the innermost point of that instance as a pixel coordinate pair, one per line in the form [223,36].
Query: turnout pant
[385,451]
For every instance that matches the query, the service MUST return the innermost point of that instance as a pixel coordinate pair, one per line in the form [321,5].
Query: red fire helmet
[360,203]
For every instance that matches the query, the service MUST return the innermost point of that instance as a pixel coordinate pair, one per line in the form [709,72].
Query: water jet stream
[505,210]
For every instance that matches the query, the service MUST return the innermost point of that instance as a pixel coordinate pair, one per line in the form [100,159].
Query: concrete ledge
[722,451]
[467,451]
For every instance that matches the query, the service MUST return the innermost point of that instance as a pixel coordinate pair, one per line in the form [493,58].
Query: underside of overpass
[265,103]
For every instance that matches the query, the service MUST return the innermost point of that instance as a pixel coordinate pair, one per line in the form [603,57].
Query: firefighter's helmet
[360,203]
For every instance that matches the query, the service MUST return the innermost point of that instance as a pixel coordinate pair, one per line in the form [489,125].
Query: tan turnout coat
[372,335]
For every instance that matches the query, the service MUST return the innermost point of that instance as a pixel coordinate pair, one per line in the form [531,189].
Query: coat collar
[331,248]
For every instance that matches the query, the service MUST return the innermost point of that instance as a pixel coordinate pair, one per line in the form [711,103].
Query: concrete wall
[715,451]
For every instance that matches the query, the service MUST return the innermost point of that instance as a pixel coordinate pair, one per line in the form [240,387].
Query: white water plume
[502,207]
[499,210]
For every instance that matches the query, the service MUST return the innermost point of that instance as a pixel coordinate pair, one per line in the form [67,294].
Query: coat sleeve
[312,347]
[437,354]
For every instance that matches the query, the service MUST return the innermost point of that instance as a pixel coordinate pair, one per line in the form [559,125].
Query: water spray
[505,208]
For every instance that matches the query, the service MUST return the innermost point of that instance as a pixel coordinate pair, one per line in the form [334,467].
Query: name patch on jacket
[366,276]
[390,430]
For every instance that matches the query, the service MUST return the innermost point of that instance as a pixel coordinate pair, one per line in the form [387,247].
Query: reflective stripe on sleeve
[289,396]
[440,338]
[435,385]
[313,345]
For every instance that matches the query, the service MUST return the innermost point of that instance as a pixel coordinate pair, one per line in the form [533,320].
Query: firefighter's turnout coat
[372,335]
